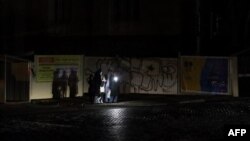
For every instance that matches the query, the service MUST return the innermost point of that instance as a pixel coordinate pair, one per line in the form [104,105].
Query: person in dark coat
[102,89]
[73,83]
[97,84]
[108,86]
[64,84]
[56,85]
[114,87]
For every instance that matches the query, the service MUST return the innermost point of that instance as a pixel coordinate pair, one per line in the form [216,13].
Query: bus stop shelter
[14,79]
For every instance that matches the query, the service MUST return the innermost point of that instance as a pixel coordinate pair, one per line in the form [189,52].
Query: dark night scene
[124,70]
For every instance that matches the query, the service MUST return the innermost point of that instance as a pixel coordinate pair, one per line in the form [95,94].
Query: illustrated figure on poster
[73,83]
[64,84]
[214,76]
[56,84]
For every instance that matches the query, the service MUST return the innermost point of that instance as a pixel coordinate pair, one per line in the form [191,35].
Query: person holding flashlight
[114,87]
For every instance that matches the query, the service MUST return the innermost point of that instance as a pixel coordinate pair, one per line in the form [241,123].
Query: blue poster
[214,75]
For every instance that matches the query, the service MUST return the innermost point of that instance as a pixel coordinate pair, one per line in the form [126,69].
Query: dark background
[127,28]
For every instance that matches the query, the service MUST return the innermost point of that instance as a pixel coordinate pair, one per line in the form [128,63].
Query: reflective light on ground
[117,117]
[117,113]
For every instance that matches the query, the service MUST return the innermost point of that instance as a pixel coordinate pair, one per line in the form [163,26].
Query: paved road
[184,120]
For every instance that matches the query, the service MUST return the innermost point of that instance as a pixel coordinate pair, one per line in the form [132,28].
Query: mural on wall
[119,64]
[154,76]
[151,75]
[204,75]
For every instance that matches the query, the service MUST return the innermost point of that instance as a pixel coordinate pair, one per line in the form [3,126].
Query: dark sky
[134,28]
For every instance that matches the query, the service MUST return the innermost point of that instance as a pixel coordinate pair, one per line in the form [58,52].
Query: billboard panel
[205,75]
[46,65]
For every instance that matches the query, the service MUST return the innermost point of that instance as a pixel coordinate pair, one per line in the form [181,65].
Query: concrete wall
[154,76]
[138,75]
[234,76]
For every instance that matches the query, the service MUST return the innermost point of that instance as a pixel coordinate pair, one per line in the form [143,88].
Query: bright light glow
[117,113]
[117,116]
[115,78]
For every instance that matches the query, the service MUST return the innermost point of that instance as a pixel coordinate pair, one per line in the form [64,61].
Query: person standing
[73,83]
[102,89]
[114,87]
[107,98]
[56,85]
[97,85]
[64,83]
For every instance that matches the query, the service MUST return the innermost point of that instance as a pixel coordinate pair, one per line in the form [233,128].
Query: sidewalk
[142,100]
[134,117]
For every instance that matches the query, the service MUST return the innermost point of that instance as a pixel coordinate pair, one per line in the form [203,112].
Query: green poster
[46,65]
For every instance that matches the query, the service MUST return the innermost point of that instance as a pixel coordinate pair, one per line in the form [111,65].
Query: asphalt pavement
[133,118]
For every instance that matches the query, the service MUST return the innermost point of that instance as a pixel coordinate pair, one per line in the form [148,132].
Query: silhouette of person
[64,83]
[97,84]
[56,85]
[73,83]
[102,89]
[114,87]
[108,86]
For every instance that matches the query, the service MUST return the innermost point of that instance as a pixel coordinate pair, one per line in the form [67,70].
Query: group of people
[61,81]
[103,88]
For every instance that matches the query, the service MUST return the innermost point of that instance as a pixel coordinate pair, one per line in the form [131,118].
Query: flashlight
[115,78]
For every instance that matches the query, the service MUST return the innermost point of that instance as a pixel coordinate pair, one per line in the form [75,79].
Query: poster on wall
[48,65]
[205,75]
